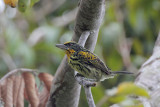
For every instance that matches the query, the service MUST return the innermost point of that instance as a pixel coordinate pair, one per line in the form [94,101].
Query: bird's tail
[121,72]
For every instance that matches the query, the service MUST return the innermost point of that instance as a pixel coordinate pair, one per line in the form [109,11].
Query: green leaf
[23,5]
[137,105]
[117,98]
[128,88]
[33,2]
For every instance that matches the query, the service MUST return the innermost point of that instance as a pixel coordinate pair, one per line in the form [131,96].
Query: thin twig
[36,36]
[83,38]
[47,7]
[81,80]
[15,71]
[87,87]
[89,97]
[65,19]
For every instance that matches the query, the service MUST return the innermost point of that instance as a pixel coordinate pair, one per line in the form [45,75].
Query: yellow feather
[67,42]
[12,3]
[69,52]
[88,55]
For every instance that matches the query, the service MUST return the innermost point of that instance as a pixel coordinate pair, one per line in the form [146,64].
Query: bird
[86,63]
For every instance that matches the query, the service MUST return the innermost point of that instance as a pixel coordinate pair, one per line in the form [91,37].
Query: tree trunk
[65,91]
[149,77]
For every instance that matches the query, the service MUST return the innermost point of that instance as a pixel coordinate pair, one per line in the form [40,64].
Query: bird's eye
[70,44]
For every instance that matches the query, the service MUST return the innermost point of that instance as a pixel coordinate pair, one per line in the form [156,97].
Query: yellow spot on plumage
[69,52]
[88,55]
[68,42]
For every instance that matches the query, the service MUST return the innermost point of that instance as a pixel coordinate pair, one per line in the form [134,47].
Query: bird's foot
[86,82]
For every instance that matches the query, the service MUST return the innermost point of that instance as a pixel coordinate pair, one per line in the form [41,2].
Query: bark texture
[149,77]
[65,91]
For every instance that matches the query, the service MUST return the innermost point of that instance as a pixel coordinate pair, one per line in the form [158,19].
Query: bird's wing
[92,60]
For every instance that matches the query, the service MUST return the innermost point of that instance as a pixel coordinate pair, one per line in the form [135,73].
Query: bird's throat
[69,53]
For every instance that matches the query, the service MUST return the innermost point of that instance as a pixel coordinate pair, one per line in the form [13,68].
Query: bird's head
[70,47]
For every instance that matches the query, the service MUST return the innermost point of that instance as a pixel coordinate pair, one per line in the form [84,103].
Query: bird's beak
[62,46]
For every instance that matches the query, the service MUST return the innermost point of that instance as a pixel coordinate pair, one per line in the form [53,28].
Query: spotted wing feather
[92,60]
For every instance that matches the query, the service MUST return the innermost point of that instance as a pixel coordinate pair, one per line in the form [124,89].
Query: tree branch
[87,87]
[149,77]
[89,96]
[65,91]
[86,84]
[65,18]
[83,38]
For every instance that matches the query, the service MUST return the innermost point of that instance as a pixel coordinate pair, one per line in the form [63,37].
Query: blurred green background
[126,38]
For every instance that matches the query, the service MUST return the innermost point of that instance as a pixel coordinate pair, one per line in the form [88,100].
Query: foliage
[22,4]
